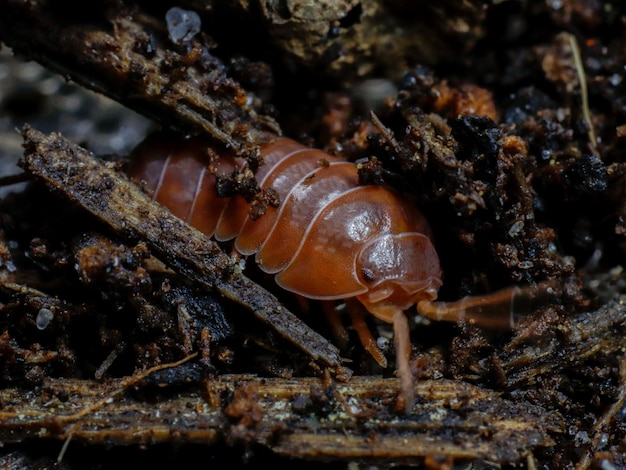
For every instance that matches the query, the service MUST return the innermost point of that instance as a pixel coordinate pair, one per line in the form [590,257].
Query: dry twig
[110,196]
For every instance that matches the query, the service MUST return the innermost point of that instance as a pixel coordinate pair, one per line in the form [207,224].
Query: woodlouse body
[330,238]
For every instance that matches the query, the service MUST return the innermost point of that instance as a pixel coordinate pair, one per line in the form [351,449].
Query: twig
[109,195]
[453,419]
[582,80]
[125,385]
[127,56]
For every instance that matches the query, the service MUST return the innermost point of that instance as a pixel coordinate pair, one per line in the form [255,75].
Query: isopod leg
[357,316]
[304,304]
[334,322]
[402,343]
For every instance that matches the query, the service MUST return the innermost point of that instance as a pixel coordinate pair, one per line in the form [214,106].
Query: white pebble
[44,317]
[182,25]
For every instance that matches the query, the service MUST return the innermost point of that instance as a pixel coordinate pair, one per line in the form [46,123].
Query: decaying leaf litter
[521,180]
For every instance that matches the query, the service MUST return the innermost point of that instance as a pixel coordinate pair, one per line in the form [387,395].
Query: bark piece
[122,52]
[112,197]
[300,418]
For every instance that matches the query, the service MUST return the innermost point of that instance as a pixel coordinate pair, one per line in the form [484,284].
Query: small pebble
[182,25]
[44,317]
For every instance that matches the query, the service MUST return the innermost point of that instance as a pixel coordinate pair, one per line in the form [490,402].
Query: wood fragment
[72,171]
[126,55]
[452,419]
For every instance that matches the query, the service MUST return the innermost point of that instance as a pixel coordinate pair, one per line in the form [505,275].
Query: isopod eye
[406,268]
[367,275]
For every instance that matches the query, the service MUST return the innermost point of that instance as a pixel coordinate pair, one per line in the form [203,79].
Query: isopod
[329,238]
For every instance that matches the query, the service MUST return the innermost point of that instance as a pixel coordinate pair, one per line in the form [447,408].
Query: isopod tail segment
[330,237]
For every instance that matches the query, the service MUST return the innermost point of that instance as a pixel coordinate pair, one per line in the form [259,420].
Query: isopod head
[399,270]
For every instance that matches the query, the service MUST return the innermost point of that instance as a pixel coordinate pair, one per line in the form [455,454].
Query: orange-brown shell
[330,238]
